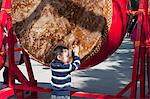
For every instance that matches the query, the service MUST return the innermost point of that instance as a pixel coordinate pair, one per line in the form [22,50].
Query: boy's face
[64,57]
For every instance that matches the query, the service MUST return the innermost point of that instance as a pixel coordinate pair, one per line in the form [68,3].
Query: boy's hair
[58,50]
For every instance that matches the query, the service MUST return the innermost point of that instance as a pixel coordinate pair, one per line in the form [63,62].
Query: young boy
[61,69]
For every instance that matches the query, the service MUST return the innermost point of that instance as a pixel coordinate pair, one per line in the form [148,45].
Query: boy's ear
[58,57]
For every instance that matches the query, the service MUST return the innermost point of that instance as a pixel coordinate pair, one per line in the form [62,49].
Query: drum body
[97,26]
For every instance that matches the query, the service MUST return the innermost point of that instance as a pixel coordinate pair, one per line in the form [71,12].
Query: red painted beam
[39,89]
[19,75]
[95,95]
[5,93]
[76,94]
[119,94]
[124,90]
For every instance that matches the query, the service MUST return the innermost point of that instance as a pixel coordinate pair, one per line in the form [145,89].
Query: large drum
[97,26]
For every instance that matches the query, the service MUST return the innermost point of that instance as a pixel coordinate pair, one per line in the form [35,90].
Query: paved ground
[108,77]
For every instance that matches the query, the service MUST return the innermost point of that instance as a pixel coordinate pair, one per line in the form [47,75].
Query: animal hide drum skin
[41,25]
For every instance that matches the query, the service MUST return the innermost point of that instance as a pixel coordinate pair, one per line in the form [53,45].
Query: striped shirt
[61,77]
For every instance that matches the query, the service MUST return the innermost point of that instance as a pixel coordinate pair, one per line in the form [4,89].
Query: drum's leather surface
[41,25]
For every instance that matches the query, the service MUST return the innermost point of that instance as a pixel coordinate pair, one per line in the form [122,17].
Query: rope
[136,12]
[147,43]
[6,10]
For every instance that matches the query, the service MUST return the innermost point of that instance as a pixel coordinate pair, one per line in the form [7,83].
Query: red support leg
[28,66]
[20,76]
[3,20]
[33,82]
[142,73]
[148,72]
[146,30]
[136,58]
[19,94]
[11,61]
[6,4]
[34,94]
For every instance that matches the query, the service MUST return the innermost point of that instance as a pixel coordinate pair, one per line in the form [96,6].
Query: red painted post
[148,72]
[5,10]
[142,36]
[142,72]
[146,26]
[145,37]
[10,50]
[32,80]
[34,94]
[136,58]
[142,53]
[19,94]
[1,28]
[148,59]
[11,62]
[6,4]
[3,21]
[28,66]
[6,7]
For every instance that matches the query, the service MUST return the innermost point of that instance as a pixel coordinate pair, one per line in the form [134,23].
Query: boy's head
[61,53]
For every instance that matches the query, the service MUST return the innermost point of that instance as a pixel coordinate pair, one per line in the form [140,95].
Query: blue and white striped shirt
[61,77]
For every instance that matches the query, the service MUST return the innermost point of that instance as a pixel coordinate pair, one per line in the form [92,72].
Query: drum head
[41,25]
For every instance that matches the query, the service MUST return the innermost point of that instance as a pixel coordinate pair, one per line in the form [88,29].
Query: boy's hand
[76,50]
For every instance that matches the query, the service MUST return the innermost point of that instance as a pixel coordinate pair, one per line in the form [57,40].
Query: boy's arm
[76,60]
[74,65]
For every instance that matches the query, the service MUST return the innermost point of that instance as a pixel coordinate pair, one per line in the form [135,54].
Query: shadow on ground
[108,77]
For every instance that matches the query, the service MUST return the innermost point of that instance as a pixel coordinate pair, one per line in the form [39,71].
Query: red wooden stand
[141,60]
[141,55]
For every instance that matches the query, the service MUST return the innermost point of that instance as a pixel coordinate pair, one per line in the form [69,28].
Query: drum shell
[115,35]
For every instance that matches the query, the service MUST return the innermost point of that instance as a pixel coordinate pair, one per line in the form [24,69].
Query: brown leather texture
[41,25]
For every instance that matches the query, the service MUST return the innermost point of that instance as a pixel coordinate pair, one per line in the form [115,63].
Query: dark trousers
[5,75]
[5,72]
